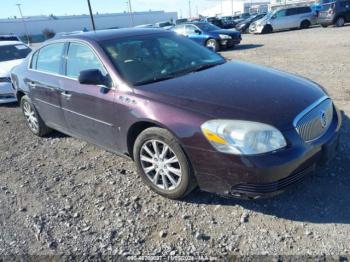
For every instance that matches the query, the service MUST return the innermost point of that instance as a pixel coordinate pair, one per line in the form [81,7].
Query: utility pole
[232,7]
[24,23]
[91,16]
[189,9]
[131,13]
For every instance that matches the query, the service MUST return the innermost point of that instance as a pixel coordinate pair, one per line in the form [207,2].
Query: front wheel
[267,29]
[162,164]
[212,43]
[33,119]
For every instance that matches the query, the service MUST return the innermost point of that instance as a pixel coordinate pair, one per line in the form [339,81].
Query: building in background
[280,3]
[36,25]
[230,7]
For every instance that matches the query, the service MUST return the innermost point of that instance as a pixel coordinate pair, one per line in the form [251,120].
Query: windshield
[208,27]
[145,59]
[13,52]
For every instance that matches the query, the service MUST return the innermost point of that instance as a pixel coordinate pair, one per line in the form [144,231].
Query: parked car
[181,21]
[285,18]
[12,53]
[183,113]
[244,25]
[229,21]
[10,38]
[215,21]
[145,26]
[209,35]
[167,25]
[334,13]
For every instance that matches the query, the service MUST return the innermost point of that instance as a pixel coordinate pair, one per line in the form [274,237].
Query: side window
[34,60]
[180,29]
[281,13]
[190,29]
[305,10]
[292,11]
[81,57]
[49,58]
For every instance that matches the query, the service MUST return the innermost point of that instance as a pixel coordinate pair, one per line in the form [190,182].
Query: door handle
[32,85]
[66,95]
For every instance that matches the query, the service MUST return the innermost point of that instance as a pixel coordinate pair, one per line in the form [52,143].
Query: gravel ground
[62,196]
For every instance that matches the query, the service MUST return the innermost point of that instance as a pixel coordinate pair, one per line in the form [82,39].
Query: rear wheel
[267,29]
[305,24]
[33,119]
[162,164]
[340,22]
[212,43]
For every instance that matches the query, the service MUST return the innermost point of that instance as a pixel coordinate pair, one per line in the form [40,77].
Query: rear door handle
[66,95]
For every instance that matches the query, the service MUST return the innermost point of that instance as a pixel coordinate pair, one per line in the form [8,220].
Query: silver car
[283,19]
[12,54]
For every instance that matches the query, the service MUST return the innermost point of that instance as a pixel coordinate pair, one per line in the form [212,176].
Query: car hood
[229,32]
[238,90]
[6,67]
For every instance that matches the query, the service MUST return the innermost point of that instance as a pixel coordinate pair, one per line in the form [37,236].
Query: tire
[267,29]
[33,120]
[152,167]
[305,24]
[214,44]
[324,25]
[340,22]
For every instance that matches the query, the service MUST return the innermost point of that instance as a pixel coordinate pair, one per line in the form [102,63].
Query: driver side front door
[89,110]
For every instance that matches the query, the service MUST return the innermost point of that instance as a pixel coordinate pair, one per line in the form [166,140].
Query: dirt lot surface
[59,195]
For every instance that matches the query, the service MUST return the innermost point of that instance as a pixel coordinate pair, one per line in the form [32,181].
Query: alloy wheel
[213,44]
[161,165]
[30,116]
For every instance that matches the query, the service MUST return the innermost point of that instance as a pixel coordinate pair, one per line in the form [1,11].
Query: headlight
[243,137]
[225,37]
[241,26]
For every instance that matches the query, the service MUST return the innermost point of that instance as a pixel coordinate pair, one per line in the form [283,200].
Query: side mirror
[94,77]
[198,32]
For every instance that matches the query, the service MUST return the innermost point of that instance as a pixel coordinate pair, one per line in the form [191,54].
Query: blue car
[209,35]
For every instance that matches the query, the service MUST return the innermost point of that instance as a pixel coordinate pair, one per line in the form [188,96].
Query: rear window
[13,52]
[299,10]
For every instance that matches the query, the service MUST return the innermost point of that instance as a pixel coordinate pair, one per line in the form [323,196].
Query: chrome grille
[314,122]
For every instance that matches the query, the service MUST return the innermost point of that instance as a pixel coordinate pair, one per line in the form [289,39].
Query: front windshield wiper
[178,73]
[207,66]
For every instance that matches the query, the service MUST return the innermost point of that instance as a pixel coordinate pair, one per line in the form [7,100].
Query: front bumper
[231,42]
[266,175]
[7,94]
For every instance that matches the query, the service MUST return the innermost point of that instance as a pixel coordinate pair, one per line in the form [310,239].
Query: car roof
[3,43]
[102,35]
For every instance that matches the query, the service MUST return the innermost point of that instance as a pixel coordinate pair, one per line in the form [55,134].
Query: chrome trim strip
[308,109]
[88,117]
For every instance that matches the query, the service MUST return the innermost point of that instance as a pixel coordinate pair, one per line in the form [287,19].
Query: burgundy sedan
[185,115]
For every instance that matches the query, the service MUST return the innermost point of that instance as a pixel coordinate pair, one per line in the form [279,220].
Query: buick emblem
[324,120]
